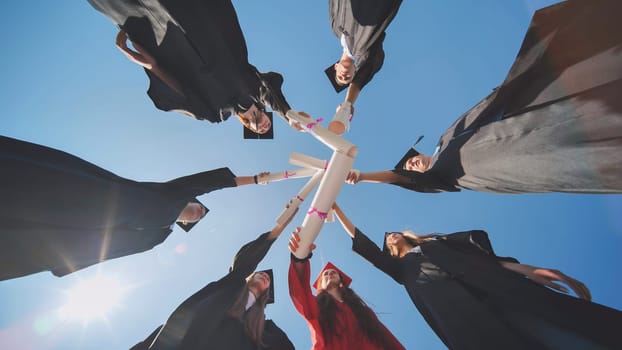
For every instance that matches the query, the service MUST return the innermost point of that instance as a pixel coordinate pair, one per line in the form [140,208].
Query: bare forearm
[345,222]
[244,180]
[353,92]
[383,177]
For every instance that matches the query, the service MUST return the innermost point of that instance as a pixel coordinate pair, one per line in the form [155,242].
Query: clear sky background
[66,86]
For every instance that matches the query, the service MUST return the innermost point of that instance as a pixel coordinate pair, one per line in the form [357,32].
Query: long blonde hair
[254,318]
[411,238]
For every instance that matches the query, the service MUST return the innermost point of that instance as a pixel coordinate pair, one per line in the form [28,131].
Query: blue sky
[66,86]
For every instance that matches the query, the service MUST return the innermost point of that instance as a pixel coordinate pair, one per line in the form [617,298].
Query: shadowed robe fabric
[201,321]
[555,124]
[61,213]
[472,302]
[348,335]
[363,22]
[201,45]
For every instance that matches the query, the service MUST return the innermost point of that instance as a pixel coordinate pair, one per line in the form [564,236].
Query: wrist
[297,259]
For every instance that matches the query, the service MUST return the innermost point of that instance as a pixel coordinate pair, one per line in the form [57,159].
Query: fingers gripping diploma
[294,242]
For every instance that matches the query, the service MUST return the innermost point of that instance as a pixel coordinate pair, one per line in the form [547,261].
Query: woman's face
[395,239]
[261,281]
[258,120]
[330,277]
[344,72]
[193,212]
[419,163]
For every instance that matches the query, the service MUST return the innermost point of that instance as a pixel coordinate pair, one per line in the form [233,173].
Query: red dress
[348,336]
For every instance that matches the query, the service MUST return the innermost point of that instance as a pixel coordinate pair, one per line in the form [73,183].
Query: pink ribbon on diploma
[312,124]
[287,175]
[322,215]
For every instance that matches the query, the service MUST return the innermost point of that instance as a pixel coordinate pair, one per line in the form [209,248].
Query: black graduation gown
[199,43]
[363,22]
[555,124]
[61,213]
[200,322]
[472,302]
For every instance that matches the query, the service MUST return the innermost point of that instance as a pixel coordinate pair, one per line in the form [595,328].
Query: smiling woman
[92,299]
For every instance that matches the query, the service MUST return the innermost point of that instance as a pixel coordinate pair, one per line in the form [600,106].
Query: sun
[92,299]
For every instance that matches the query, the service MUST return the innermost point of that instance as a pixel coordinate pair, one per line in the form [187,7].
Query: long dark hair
[254,318]
[366,318]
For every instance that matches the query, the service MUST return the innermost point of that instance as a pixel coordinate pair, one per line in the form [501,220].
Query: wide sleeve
[274,338]
[363,246]
[299,279]
[250,255]
[206,181]
[271,92]
[163,96]
[477,239]
[370,65]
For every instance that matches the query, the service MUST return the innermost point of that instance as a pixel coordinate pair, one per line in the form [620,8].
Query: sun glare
[92,299]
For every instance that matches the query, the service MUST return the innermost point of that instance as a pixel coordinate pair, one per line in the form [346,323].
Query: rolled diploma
[327,137]
[307,161]
[304,192]
[334,178]
[291,174]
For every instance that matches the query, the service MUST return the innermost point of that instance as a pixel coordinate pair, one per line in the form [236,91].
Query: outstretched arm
[347,225]
[144,59]
[250,180]
[386,177]
[353,93]
[547,276]
[299,279]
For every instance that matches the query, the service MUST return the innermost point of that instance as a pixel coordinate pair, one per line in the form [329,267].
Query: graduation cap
[271,288]
[189,225]
[269,135]
[345,279]
[331,73]
[412,152]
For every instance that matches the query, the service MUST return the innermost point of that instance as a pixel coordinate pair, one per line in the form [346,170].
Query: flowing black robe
[201,321]
[363,22]
[472,302]
[555,124]
[61,213]
[201,45]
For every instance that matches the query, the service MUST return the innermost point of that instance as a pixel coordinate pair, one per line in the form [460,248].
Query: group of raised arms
[558,106]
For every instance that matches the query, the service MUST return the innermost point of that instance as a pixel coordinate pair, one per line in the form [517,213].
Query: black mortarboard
[331,73]
[269,135]
[412,152]
[271,288]
[189,225]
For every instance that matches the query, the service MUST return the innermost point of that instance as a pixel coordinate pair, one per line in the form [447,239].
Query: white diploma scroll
[334,177]
[307,161]
[289,174]
[327,137]
[294,203]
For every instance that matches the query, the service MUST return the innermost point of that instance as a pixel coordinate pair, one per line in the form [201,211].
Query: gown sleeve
[363,246]
[371,65]
[206,181]
[477,239]
[300,289]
